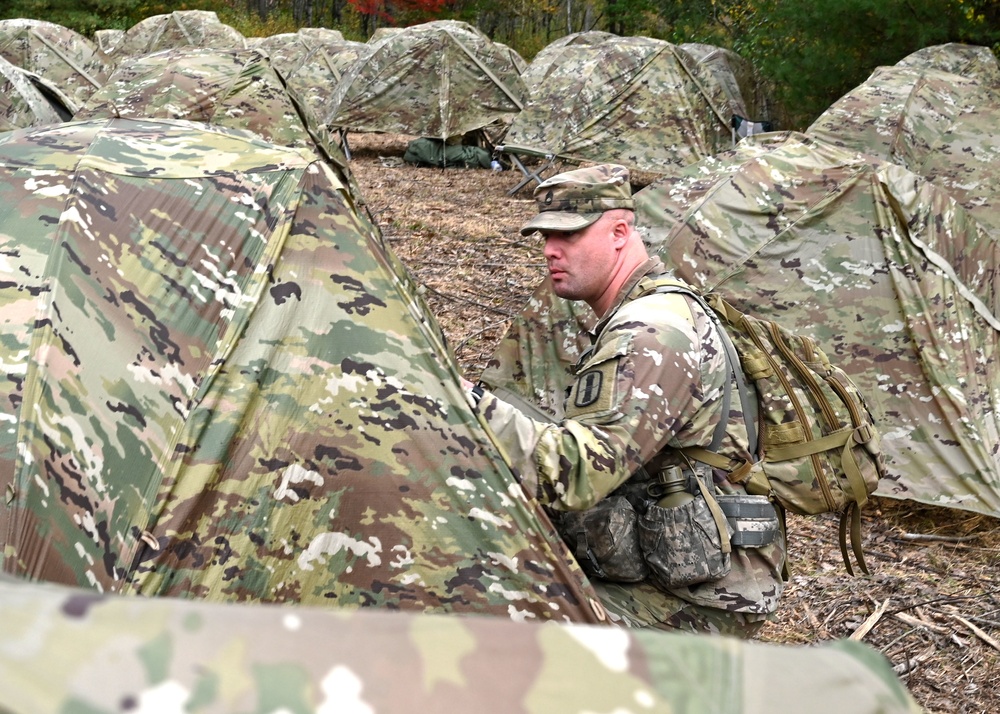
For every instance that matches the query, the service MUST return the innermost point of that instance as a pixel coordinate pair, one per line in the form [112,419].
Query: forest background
[810,53]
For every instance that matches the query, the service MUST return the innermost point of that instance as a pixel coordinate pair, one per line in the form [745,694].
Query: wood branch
[978,633]
[917,622]
[872,620]
[911,664]
[450,296]
[931,538]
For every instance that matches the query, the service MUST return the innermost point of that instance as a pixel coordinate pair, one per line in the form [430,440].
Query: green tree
[815,52]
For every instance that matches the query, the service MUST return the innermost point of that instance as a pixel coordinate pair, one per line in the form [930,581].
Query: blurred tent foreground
[67,649]
[221,385]
[893,278]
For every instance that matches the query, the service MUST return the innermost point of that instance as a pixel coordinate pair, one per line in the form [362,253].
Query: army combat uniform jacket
[652,383]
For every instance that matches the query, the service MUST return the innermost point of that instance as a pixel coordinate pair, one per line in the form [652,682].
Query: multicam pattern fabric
[63,56]
[180,28]
[236,89]
[746,91]
[955,58]
[221,385]
[572,200]
[438,80]
[107,40]
[314,74]
[551,55]
[653,382]
[68,650]
[635,101]
[941,126]
[893,279]
[21,103]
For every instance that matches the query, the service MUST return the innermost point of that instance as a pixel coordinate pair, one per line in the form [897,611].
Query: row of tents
[654,104]
[269,411]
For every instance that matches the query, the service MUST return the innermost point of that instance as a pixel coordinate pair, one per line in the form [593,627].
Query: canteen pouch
[753,519]
[683,545]
[605,540]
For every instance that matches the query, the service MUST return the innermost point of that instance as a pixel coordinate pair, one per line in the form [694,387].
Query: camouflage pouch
[683,545]
[605,540]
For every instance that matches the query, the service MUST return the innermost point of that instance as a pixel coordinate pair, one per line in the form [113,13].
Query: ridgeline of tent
[935,113]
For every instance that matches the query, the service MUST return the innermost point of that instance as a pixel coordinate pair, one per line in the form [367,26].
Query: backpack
[814,438]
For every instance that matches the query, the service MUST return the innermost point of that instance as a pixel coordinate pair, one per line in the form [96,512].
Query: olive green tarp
[898,284]
[434,152]
[65,649]
[219,384]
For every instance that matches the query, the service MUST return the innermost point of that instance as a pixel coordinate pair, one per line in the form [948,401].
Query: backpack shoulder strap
[665,284]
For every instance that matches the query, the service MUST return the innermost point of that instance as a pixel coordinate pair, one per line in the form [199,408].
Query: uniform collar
[652,266]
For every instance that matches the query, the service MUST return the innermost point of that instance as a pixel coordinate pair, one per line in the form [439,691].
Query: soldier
[654,382]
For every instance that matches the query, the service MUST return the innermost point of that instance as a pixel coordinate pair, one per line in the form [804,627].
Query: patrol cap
[575,199]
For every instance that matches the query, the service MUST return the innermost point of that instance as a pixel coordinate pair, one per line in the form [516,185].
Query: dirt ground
[932,602]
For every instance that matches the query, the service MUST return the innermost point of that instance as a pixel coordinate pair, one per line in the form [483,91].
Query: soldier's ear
[620,232]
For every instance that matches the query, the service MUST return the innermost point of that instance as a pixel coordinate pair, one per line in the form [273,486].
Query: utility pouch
[605,540]
[753,519]
[683,544]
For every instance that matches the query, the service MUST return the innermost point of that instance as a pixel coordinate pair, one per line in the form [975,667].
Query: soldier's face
[581,263]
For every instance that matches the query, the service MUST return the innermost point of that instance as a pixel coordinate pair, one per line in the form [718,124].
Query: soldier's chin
[565,291]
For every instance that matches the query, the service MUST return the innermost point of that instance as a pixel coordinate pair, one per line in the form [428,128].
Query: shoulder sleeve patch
[595,391]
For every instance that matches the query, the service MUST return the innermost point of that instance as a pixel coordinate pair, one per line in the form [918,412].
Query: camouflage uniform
[652,383]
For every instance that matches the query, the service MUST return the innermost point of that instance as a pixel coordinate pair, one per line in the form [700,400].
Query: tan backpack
[815,440]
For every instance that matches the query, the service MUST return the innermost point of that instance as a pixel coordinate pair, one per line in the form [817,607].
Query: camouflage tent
[955,58]
[107,40]
[552,53]
[221,385]
[70,650]
[745,89]
[897,283]
[439,80]
[942,126]
[26,100]
[637,101]
[515,58]
[381,33]
[312,69]
[234,88]
[64,57]
[180,28]
[321,35]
